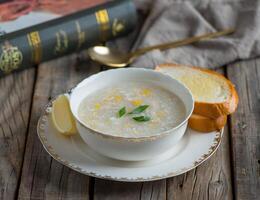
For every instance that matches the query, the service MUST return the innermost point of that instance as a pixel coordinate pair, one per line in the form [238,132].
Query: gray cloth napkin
[172,20]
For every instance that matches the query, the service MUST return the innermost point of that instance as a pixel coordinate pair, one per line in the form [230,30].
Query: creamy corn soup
[132,110]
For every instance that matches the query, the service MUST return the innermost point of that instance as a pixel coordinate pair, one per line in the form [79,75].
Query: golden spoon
[113,58]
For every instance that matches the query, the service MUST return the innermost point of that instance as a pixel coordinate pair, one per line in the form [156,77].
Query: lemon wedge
[62,117]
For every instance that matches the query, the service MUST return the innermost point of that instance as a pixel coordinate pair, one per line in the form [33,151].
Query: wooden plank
[16,93]
[245,129]
[42,177]
[112,190]
[211,180]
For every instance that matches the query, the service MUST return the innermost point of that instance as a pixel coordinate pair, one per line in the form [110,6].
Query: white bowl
[130,148]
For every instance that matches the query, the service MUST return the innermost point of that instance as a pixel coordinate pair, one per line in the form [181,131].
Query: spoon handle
[182,42]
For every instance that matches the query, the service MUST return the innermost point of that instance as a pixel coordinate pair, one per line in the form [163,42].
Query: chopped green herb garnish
[139,109]
[142,118]
[121,112]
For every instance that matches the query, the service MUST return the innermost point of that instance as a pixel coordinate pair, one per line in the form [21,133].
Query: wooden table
[28,172]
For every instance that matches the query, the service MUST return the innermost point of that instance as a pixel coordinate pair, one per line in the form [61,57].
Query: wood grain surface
[15,100]
[245,129]
[112,190]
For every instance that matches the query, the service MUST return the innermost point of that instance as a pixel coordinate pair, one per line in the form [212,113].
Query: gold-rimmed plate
[191,151]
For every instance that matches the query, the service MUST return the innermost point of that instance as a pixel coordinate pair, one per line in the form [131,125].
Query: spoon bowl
[109,57]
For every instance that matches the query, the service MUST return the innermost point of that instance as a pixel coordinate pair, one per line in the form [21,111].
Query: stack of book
[36,31]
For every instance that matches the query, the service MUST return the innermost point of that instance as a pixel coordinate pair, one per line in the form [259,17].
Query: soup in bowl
[131,114]
[137,109]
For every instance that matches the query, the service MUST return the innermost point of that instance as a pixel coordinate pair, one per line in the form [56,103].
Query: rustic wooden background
[28,172]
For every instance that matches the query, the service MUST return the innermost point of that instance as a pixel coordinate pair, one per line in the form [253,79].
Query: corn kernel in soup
[110,110]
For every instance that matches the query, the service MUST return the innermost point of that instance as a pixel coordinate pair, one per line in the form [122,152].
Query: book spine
[28,47]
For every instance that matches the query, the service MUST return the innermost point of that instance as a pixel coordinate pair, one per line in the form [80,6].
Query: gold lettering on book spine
[103,21]
[35,43]
[62,42]
[81,35]
[117,27]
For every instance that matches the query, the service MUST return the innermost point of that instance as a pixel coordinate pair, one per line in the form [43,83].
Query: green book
[42,42]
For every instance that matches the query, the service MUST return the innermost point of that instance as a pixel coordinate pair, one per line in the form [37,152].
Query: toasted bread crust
[206,124]
[212,110]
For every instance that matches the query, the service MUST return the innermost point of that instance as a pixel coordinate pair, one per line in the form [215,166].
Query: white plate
[192,150]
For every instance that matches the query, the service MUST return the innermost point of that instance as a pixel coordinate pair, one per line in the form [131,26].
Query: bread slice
[214,95]
[206,124]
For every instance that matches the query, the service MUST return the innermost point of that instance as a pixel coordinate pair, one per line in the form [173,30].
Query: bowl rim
[136,139]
